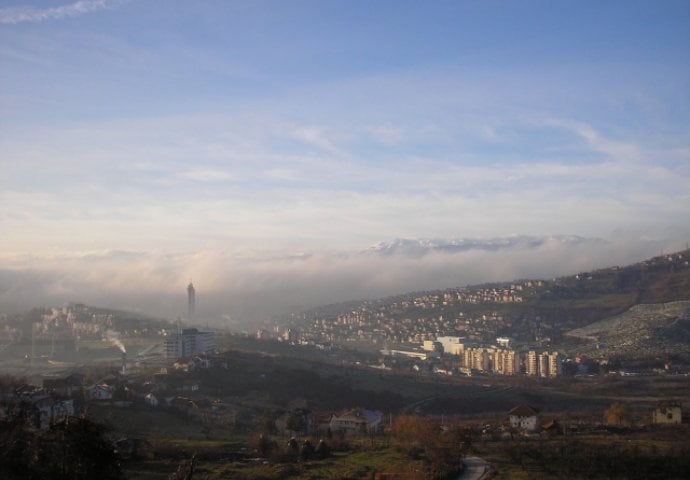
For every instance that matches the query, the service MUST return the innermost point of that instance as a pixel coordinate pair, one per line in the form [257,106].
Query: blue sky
[237,131]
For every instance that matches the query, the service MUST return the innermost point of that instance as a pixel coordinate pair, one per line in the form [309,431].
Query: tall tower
[191,301]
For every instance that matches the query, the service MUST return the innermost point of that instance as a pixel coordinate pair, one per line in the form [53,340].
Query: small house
[102,392]
[525,418]
[151,400]
[51,408]
[319,423]
[667,413]
[356,421]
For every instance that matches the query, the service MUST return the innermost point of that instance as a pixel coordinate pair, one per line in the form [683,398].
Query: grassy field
[360,464]
[144,422]
[219,459]
[661,453]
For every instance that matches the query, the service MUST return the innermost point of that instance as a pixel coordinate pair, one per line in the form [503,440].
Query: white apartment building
[531,363]
[451,345]
[555,365]
[432,346]
[543,364]
[505,362]
[477,359]
[189,342]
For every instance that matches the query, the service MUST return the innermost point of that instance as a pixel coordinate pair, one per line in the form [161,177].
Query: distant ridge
[421,247]
[661,279]
[547,310]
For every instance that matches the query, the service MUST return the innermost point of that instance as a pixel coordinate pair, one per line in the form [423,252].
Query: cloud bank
[245,288]
[260,148]
[21,14]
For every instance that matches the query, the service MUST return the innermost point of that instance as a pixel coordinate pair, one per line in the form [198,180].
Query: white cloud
[626,151]
[135,176]
[316,136]
[281,175]
[20,14]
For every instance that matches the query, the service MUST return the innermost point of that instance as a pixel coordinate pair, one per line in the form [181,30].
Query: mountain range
[420,247]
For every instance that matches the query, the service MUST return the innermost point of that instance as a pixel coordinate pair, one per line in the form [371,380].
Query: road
[475,469]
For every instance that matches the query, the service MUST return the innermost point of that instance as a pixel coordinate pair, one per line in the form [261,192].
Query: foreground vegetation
[414,447]
[651,454]
[624,454]
[74,448]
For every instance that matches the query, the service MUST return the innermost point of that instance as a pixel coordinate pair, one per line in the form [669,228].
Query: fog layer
[245,288]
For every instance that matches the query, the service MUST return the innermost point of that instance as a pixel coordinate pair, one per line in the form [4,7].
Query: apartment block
[189,342]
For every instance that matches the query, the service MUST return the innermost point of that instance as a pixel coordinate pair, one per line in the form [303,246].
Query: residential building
[51,409]
[451,345]
[356,421]
[151,400]
[505,362]
[543,364]
[523,417]
[289,335]
[477,358]
[531,364]
[409,353]
[555,365]
[102,392]
[457,349]
[432,346]
[188,343]
[667,413]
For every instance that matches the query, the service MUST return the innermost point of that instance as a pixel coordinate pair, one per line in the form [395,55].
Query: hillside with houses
[536,314]
[416,386]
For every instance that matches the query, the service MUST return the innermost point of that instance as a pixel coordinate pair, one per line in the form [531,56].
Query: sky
[262,148]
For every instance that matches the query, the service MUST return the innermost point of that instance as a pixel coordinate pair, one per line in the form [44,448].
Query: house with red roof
[523,417]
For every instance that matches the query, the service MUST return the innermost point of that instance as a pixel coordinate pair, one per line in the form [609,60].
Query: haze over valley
[243,289]
[343,239]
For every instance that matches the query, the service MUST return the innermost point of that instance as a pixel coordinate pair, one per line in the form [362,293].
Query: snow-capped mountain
[420,247]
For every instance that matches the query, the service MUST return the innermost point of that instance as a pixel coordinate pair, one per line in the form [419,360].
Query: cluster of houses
[528,420]
[472,312]
[67,395]
[354,421]
[75,322]
[45,405]
[414,319]
[522,419]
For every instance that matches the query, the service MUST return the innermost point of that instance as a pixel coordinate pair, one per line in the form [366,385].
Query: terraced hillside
[643,331]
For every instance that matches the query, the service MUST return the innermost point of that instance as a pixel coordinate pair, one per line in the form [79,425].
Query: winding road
[475,469]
